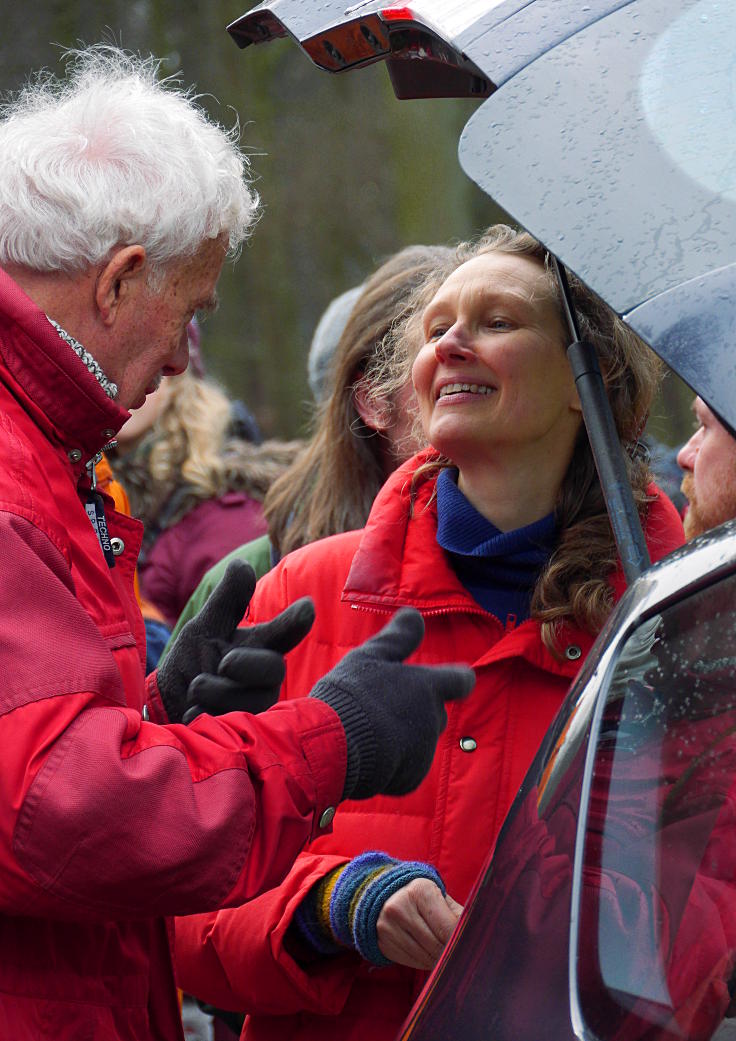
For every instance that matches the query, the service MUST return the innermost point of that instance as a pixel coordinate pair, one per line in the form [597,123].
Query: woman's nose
[454,345]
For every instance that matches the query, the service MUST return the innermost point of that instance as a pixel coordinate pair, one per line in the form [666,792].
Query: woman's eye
[498,323]
[436,333]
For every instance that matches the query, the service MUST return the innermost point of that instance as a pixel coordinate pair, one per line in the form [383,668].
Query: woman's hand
[415,924]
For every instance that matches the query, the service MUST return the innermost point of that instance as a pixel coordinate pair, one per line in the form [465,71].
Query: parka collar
[398,549]
[64,398]
[399,562]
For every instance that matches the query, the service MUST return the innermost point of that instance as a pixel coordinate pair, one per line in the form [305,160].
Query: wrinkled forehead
[704,416]
[496,274]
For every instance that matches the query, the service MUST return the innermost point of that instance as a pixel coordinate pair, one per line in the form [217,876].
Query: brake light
[397,14]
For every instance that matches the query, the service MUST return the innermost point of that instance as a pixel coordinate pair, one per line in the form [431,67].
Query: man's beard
[697,519]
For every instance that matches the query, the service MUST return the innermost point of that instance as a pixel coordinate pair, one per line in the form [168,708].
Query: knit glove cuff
[360,735]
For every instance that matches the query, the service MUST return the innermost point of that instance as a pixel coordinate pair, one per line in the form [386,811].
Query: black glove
[215,667]
[392,713]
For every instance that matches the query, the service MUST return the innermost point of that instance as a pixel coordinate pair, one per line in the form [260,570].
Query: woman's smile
[462,390]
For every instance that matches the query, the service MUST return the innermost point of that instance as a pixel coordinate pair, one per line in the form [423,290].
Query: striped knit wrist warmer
[312,916]
[370,905]
[342,910]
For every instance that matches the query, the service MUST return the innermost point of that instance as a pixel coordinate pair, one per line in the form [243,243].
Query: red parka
[237,959]
[107,822]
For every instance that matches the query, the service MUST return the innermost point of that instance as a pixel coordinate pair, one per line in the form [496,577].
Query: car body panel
[502,46]
[516,952]
[504,34]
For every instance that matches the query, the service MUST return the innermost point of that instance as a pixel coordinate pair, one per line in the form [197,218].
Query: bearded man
[709,462]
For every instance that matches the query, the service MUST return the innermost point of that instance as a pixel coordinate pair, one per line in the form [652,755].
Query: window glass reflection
[656,955]
[689,80]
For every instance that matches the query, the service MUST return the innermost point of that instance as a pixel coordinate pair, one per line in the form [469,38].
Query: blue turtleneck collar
[498,568]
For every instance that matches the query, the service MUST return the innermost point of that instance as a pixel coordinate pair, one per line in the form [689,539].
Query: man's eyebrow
[700,409]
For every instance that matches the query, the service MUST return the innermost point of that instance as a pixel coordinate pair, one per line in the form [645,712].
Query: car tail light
[397,14]
[358,42]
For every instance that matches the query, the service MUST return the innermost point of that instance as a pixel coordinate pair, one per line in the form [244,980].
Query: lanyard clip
[95,508]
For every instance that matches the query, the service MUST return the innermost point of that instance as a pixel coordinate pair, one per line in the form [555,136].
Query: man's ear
[115,279]
[374,411]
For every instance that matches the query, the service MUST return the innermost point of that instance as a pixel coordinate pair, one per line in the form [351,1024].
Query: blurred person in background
[667,473]
[120,201]
[499,535]
[195,482]
[325,339]
[359,438]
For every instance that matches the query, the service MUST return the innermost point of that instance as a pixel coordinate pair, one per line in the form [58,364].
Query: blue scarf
[498,568]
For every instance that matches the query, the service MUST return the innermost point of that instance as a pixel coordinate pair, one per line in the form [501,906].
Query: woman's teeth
[459,388]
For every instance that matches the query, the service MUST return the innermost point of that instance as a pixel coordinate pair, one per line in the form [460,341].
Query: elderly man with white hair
[121,801]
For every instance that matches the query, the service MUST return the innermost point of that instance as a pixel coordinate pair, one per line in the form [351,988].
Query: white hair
[112,155]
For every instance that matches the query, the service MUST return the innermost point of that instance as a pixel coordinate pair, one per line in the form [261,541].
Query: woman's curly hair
[332,483]
[574,585]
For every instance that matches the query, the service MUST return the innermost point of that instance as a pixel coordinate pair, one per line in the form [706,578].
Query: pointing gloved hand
[215,667]
[392,713]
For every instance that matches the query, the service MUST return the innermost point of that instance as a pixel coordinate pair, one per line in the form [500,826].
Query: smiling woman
[498,533]
[495,388]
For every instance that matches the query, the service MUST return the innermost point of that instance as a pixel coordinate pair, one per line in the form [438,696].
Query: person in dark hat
[708,462]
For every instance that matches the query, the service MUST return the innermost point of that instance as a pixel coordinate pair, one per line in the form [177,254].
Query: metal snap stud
[327,817]
[468,744]
[75,455]
[573,652]
[117,546]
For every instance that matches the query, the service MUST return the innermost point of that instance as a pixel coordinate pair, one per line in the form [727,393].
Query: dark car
[607,909]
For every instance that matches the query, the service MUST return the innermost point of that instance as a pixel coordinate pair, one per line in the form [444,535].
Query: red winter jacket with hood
[237,959]
[107,822]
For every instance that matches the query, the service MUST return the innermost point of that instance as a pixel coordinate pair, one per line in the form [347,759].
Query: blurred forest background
[346,173]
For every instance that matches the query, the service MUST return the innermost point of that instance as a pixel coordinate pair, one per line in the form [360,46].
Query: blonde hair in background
[191,454]
[190,437]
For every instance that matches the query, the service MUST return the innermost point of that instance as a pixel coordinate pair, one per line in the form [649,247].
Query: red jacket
[107,822]
[236,959]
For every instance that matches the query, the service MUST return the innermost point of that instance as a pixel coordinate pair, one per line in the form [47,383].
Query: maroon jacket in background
[180,556]
[108,822]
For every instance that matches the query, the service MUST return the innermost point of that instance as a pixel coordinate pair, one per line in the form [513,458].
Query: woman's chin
[456,439]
